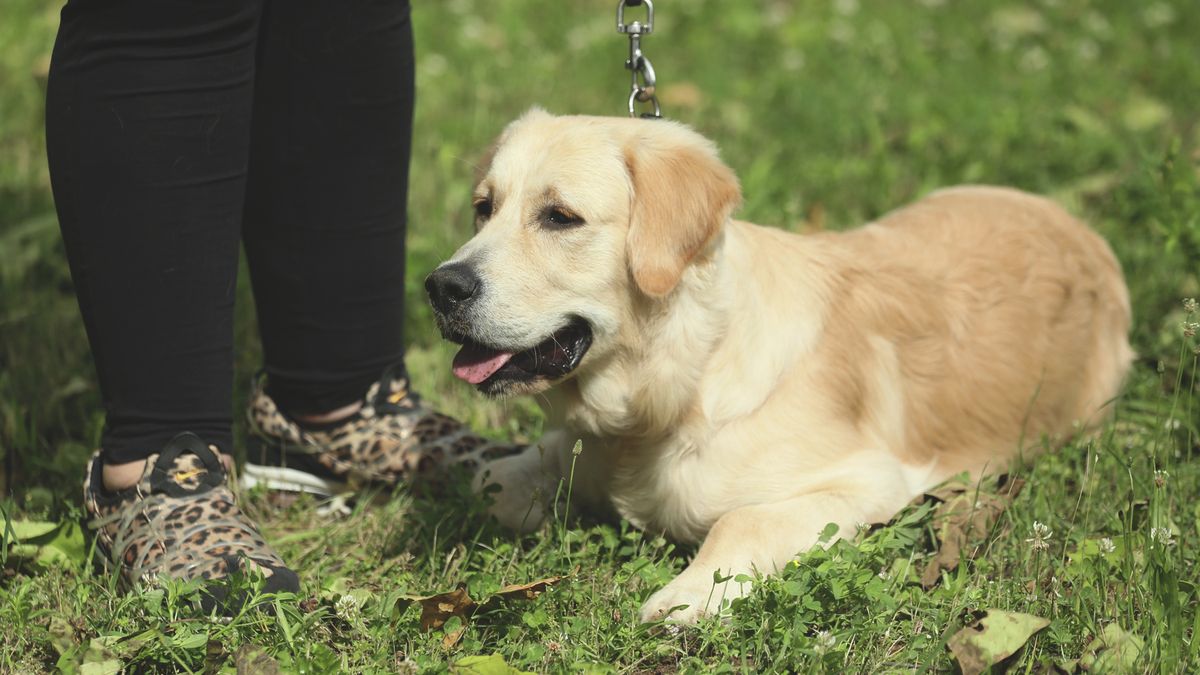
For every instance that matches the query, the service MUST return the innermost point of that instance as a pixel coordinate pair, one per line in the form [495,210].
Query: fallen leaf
[527,591]
[485,665]
[994,637]
[439,608]
[99,659]
[251,658]
[963,519]
[1115,651]
[452,637]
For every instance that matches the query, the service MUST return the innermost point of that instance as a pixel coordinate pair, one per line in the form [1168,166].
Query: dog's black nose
[451,285]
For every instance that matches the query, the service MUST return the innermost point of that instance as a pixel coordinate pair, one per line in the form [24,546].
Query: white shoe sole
[288,480]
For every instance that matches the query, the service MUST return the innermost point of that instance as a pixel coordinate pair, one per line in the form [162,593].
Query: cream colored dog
[742,386]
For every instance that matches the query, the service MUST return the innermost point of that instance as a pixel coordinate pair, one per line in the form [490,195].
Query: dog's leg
[760,538]
[527,483]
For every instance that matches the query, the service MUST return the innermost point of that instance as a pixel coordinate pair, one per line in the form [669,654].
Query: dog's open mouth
[552,358]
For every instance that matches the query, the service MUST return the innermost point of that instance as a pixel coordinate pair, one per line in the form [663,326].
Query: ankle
[332,417]
[126,475]
[123,476]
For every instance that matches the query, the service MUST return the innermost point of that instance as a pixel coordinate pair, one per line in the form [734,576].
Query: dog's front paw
[701,595]
[521,487]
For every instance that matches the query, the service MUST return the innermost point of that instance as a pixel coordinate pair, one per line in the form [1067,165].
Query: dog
[741,386]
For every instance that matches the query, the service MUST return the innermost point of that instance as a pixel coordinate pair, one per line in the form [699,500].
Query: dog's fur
[746,386]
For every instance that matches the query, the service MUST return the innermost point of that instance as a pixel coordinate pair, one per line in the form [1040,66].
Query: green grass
[831,113]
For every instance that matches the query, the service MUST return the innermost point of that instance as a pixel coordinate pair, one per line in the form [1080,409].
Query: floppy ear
[682,195]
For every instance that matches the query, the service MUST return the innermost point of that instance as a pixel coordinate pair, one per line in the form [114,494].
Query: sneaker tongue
[186,471]
[476,363]
[185,466]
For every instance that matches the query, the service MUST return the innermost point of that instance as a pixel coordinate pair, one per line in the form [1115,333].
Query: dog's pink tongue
[475,364]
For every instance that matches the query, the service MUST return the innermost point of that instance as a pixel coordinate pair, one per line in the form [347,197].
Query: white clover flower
[346,607]
[1162,535]
[1107,546]
[825,641]
[1040,541]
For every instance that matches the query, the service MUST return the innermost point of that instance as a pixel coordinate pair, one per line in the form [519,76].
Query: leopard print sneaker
[179,521]
[392,437]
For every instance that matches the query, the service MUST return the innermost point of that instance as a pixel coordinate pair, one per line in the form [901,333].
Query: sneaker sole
[283,479]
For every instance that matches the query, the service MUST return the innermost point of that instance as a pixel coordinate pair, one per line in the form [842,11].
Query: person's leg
[324,234]
[148,122]
[325,216]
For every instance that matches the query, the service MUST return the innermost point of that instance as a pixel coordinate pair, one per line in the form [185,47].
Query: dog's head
[581,223]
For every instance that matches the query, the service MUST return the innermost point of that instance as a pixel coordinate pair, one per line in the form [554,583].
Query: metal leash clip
[644,81]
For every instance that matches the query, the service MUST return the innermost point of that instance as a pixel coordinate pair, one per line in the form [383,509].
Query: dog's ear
[682,195]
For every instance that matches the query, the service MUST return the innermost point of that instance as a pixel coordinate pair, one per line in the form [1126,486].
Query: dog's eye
[557,217]
[483,209]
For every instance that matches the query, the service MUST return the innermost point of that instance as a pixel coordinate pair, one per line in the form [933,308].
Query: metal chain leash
[642,89]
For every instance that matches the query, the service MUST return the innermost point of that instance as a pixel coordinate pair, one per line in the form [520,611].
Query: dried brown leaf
[452,638]
[437,609]
[964,518]
[251,658]
[527,591]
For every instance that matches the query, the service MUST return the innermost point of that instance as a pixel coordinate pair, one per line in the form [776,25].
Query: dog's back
[1008,317]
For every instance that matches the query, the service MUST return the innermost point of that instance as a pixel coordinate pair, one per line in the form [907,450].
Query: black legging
[169,124]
